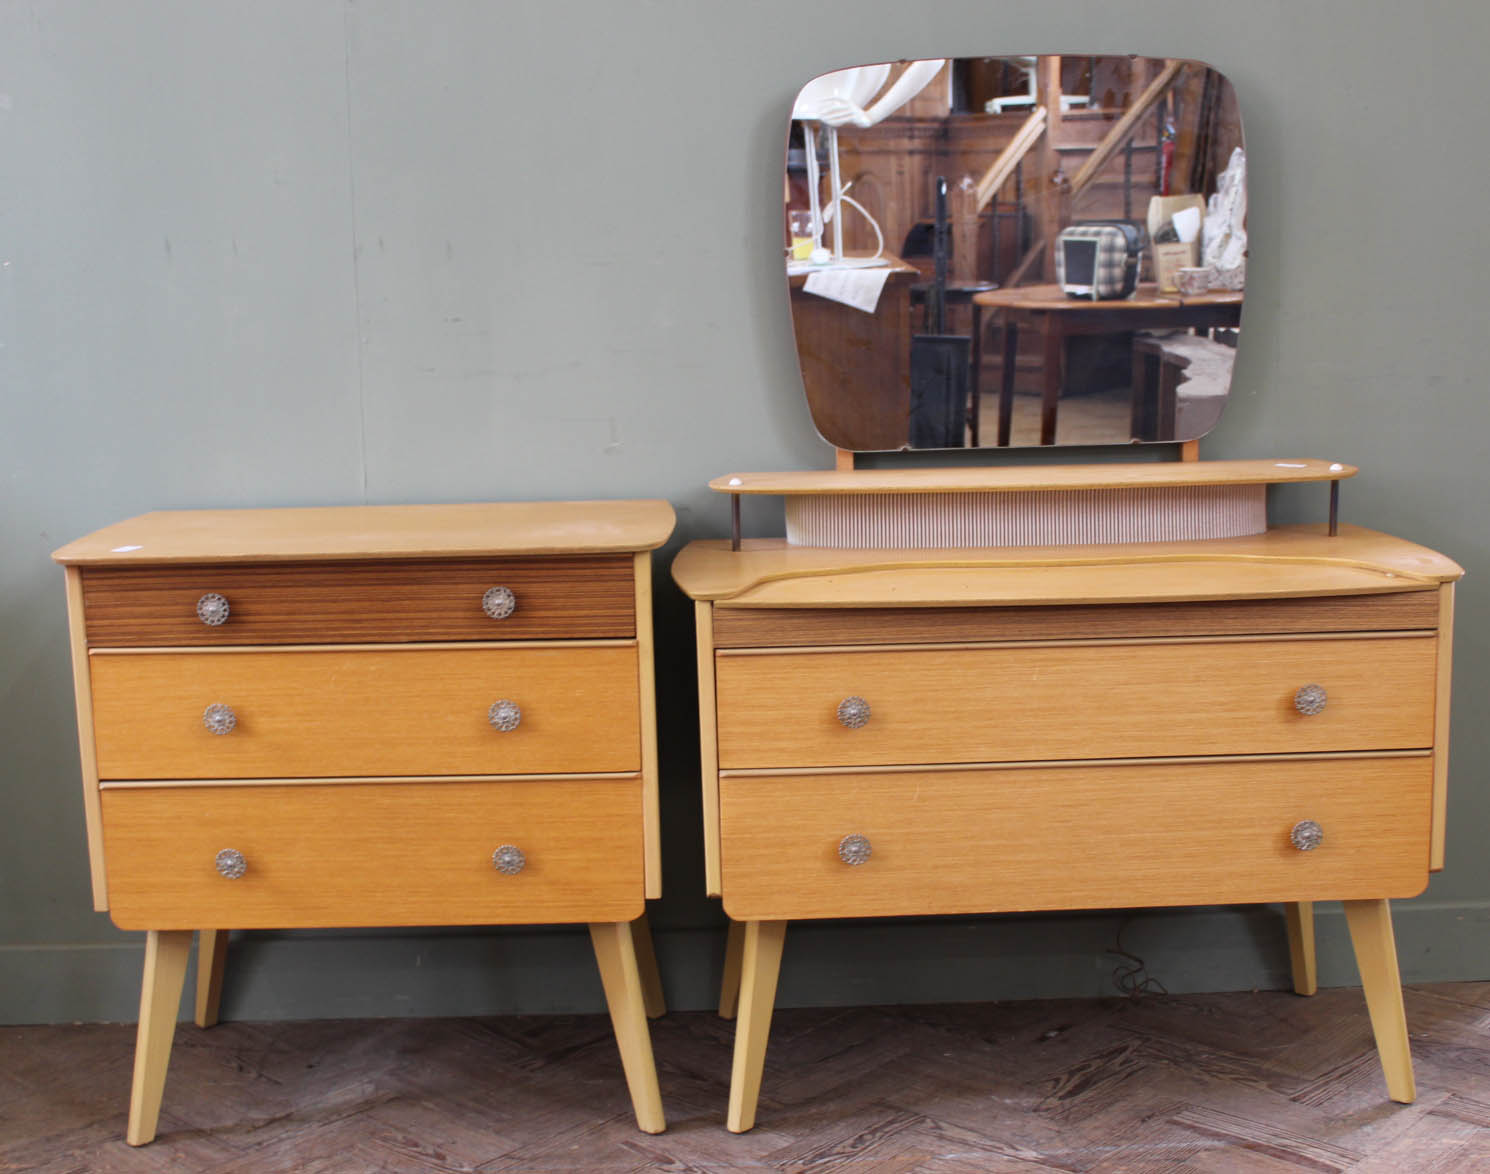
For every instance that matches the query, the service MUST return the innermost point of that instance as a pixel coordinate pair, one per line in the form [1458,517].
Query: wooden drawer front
[780,627]
[1100,836]
[1019,703]
[373,853]
[334,712]
[361,602]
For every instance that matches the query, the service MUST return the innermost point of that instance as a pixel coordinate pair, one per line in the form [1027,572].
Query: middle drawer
[338,712]
[1022,702]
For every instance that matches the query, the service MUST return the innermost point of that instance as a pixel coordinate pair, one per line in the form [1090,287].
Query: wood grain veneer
[1443,698]
[360,602]
[708,744]
[380,854]
[646,675]
[1067,727]
[1025,478]
[1026,839]
[1286,562]
[1079,700]
[784,627]
[362,778]
[342,533]
[373,711]
[82,686]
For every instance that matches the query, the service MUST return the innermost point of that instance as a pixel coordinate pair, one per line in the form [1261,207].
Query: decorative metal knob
[1310,700]
[499,603]
[219,719]
[213,609]
[508,860]
[230,863]
[854,849]
[1306,835]
[504,715]
[853,712]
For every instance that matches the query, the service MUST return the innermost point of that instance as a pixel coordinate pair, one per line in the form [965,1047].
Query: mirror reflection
[1027,250]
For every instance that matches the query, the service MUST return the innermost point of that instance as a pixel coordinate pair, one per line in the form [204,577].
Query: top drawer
[1028,702]
[580,597]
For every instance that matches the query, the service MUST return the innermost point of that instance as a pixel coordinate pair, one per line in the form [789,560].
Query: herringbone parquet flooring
[1222,1084]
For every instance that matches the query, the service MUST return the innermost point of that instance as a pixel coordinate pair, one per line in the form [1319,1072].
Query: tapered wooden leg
[734,955]
[615,953]
[1300,915]
[212,960]
[760,966]
[646,965]
[166,952]
[1370,925]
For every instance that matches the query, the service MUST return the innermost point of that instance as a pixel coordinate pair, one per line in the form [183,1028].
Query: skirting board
[374,974]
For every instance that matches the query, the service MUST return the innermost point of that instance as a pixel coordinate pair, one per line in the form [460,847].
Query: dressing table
[962,690]
[957,730]
[370,716]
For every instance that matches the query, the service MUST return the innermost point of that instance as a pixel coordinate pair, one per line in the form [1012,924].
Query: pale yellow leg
[212,960]
[166,952]
[760,966]
[734,955]
[646,965]
[615,954]
[1370,925]
[1300,915]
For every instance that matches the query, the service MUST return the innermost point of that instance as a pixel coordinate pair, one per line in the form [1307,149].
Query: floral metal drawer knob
[213,609]
[230,863]
[1310,700]
[504,715]
[854,849]
[219,719]
[499,603]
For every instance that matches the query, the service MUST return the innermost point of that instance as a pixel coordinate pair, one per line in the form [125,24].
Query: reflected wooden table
[1056,316]
[856,367]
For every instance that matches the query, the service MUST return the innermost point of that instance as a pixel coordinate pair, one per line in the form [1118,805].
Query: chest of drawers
[375,716]
[962,731]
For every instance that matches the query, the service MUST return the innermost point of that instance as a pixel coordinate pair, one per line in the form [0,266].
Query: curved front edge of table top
[1286,561]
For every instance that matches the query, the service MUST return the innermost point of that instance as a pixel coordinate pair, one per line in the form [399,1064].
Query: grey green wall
[308,252]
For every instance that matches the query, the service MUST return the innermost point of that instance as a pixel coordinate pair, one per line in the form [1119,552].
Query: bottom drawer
[1073,837]
[351,854]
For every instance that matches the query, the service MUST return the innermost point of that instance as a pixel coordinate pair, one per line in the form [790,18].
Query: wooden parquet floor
[1258,1083]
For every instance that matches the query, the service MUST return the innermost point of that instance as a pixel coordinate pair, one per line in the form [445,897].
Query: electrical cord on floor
[1132,978]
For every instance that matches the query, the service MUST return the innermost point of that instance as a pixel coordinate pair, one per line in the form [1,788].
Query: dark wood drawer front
[779,627]
[583,597]
[1093,837]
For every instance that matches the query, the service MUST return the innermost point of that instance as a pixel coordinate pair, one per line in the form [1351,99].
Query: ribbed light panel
[1036,518]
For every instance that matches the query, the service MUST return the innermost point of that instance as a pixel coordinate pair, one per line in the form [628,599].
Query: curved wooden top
[371,532]
[1029,478]
[1053,297]
[1288,561]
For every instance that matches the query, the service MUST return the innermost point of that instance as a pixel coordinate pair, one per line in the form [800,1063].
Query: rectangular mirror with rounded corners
[1025,250]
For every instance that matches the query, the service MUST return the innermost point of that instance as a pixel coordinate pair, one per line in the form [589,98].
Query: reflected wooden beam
[1123,129]
[1026,263]
[1011,156]
[1050,209]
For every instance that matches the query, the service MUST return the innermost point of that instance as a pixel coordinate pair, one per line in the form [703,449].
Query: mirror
[1028,250]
